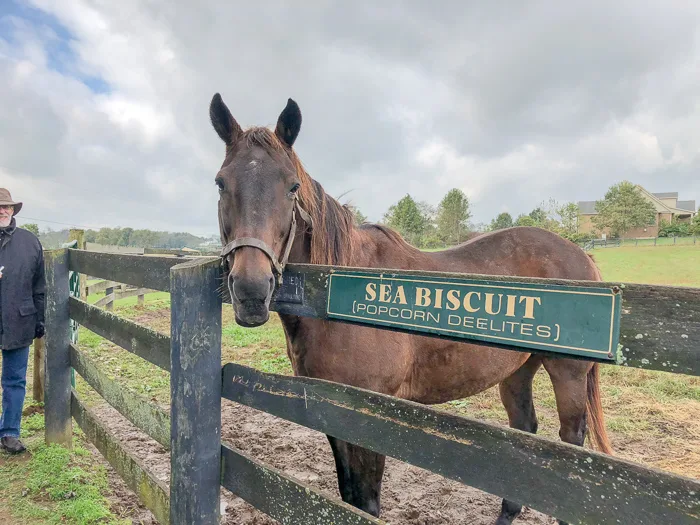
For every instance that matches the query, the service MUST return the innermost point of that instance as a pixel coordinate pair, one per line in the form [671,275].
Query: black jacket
[22,287]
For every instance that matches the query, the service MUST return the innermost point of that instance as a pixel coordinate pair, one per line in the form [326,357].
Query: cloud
[104,118]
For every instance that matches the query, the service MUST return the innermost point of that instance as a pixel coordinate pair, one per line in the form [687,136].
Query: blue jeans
[14,381]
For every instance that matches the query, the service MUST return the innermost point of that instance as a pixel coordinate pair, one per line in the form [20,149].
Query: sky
[104,105]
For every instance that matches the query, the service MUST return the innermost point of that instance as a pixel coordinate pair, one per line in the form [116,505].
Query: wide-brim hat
[6,200]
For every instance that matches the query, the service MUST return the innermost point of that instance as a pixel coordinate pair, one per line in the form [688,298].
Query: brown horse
[264,188]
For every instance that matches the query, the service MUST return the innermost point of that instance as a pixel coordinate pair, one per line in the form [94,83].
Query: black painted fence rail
[151,491]
[556,478]
[660,325]
[145,415]
[148,344]
[287,500]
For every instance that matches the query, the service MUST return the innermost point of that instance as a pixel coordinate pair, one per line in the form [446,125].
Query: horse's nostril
[272,284]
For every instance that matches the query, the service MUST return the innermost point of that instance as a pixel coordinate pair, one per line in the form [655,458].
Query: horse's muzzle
[251,315]
[251,300]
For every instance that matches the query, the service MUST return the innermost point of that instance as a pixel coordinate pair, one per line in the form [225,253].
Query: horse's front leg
[360,474]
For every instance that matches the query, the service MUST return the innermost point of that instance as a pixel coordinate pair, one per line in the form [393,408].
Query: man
[22,288]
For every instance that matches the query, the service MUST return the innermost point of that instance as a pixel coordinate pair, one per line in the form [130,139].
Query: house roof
[686,205]
[587,207]
[668,195]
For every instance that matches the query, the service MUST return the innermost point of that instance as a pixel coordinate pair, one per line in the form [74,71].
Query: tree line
[623,208]
[137,238]
[423,225]
[448,223]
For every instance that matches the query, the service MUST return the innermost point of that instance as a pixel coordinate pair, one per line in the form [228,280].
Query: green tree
[525,220]
[539,216]
[125,237]
[569,214]
[32,228]
[504,220]
[624,207]
[453,216]
[695,225]
[406,217]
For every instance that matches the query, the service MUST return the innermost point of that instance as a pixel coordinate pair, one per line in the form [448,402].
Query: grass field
[652,417]
[672,265]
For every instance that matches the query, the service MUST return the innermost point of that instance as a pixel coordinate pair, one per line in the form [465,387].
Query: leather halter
[278,265]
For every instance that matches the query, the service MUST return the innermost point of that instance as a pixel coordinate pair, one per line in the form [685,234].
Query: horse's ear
[225,125]
[289,123]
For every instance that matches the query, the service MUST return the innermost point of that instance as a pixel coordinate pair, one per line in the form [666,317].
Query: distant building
[667,206]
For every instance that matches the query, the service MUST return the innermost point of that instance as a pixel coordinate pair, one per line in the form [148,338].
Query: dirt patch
[410,495]
[158,320]
[5,517]
[33,409]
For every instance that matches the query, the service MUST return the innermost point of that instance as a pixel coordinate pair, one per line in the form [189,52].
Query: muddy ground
[410,495]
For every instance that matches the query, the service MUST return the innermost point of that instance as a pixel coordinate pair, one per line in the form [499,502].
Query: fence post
[57,387]
[195,393]
[79,237]
[110,305]
[38,374]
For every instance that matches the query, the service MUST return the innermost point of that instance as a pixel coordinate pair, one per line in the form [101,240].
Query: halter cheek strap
[278,265]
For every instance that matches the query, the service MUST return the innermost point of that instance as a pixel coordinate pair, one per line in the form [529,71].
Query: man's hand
[39,331]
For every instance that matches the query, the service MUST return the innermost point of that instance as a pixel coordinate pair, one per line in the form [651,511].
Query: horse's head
[259,188]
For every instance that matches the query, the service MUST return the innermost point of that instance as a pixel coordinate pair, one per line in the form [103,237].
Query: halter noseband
[277,265]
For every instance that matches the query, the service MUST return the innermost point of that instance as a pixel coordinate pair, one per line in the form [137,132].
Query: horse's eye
[294,189]
[220,184]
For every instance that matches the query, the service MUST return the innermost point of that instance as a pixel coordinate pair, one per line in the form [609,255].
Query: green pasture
[671,265]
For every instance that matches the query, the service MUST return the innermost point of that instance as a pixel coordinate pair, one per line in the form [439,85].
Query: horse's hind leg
[516,394]
[570,382]
[360,474]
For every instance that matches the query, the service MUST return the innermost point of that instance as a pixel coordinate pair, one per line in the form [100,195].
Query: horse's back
[520,251]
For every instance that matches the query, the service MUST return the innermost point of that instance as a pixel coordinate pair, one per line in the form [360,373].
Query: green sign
[569,320]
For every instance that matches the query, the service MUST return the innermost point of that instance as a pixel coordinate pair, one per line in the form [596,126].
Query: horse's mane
[332,241]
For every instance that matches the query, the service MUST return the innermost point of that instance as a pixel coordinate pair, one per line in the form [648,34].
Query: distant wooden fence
[115,291]
[571,483]
[642,241]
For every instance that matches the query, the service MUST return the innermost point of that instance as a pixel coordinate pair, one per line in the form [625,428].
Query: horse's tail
[596,422]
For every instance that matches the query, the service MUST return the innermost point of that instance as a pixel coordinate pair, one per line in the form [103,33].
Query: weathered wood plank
[106,300]
[151,492]
[561,480]
[660,325]
[145,415]
[288,501]
[195,393]
[673,346]
[38,370]
[660,328]
[100,287]
[57,387]
[132,293]
[136,270]
[152,346]
[166,251]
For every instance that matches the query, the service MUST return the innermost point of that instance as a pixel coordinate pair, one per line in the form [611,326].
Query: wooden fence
[643,241]
[115,291]
[571,483]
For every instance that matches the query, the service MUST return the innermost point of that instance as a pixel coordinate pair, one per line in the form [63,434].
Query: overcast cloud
[104,104]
